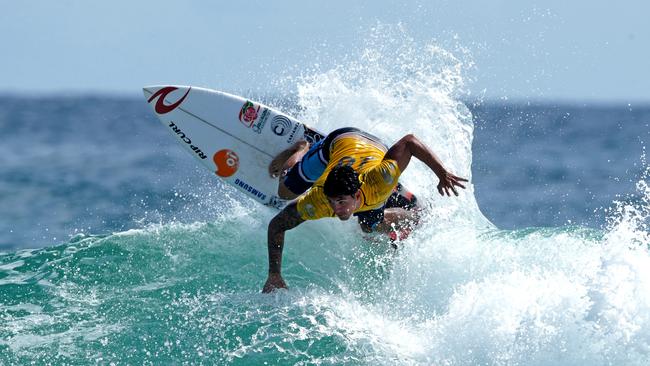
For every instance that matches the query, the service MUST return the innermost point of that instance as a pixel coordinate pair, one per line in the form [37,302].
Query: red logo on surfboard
[248,113]
[227,162]
[161,107]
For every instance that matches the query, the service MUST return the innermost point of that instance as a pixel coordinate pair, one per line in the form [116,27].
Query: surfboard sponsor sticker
[249,113]
[160,106]
[227,162]
[257,126]
[280,125]
[250,189]
[181,135]
[293,135]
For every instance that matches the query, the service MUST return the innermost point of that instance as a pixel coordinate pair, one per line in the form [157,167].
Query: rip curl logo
[248,113]
[177,130]
[161,107]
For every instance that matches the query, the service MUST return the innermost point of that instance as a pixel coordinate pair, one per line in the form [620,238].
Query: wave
[174,293]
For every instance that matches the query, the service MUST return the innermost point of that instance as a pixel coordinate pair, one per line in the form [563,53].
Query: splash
[629,220]
[397,86]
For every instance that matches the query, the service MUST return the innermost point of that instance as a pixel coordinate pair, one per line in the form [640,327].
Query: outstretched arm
[409,146]
[287,219]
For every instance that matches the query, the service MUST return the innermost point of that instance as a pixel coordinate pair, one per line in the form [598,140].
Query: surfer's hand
[274,281]
[449,181]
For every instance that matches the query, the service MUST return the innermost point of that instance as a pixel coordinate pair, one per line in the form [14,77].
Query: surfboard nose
[151,89]
[148,91]
[157,97]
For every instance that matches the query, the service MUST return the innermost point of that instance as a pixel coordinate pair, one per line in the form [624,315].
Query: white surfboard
[233,137]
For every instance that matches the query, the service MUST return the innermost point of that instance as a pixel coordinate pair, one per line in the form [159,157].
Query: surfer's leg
[397,218]
[288,158]
[387,220]
[402,222]
[399,222]
[285,193]
[302,175]
[403,198]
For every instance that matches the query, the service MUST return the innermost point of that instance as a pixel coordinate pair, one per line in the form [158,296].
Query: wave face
[452,294]
[459,291]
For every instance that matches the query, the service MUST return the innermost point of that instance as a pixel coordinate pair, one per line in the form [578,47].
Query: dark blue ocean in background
[98,165]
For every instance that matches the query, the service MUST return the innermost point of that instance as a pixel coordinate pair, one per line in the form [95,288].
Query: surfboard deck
[234,137]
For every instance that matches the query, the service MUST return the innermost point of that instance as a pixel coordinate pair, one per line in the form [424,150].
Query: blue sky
[553,49]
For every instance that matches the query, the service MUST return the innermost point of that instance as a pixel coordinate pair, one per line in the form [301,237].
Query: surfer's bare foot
[288,158]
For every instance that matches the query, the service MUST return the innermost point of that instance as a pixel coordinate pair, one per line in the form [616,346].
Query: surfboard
[234,137]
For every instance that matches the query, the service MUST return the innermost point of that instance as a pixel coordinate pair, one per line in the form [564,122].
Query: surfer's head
[342,190]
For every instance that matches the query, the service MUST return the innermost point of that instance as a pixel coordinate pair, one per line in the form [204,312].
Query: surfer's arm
[286,220]
[409,146]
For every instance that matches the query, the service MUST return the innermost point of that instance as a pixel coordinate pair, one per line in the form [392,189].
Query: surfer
[350,172]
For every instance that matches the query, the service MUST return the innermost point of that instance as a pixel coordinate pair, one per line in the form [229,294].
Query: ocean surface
[117,248]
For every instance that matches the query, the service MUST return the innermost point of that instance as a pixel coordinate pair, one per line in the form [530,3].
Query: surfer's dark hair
[341,181]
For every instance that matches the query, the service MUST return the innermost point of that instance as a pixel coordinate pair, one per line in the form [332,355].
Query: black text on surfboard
[250,189]
[187,140]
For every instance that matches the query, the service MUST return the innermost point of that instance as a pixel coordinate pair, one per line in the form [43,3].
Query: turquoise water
[142,257]
[175,294]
